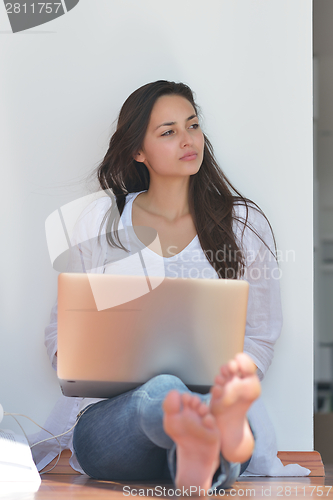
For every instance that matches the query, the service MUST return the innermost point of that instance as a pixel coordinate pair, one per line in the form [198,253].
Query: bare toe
[245,364]
[209,421]
[216,391]
[219,380]
[224,372]
[195,402]
[185,399]
[233,367]
[172,402]
[203,409]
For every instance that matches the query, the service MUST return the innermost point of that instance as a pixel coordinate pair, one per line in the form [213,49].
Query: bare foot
[190,425]
[235,389]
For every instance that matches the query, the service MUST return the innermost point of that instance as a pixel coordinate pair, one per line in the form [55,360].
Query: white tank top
[191,262]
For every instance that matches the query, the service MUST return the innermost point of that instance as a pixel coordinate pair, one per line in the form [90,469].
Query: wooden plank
[309,459]
[62,466]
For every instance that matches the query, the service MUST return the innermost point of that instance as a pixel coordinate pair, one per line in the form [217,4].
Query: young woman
[160,172]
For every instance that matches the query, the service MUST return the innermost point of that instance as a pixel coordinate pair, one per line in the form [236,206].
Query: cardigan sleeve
[264,313]
[86,255]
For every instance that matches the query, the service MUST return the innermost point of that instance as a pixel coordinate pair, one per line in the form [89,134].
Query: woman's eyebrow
[169,124]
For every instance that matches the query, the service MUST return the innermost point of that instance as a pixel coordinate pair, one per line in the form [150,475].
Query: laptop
[184,327]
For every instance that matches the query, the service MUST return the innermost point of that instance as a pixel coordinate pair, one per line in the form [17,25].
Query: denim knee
[150,397]
[163,384]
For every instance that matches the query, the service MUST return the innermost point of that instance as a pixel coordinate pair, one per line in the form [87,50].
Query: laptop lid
[184,327]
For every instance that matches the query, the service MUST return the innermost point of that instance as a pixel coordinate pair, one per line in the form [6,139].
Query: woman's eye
[171,132]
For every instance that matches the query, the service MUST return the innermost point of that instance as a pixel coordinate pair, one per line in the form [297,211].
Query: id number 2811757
[33,8]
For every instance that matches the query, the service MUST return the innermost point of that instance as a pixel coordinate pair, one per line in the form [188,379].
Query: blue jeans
[122,438]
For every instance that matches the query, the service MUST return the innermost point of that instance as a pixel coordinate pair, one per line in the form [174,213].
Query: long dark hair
[212,197]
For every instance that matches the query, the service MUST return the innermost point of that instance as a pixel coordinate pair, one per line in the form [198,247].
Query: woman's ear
[139,157]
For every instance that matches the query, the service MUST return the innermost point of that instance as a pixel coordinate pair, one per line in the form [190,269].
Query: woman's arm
[264,314]
[86,256]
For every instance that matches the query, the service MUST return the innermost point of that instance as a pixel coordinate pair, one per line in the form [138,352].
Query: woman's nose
[186,138]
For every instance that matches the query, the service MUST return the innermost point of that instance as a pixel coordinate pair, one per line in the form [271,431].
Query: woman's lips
[189,156]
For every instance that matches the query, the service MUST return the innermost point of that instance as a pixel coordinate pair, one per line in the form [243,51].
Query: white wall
[249,62]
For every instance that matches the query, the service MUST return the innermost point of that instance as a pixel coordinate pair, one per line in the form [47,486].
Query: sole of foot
[236,387]
[194,430]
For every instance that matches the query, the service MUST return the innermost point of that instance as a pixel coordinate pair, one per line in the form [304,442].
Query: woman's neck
[167,199]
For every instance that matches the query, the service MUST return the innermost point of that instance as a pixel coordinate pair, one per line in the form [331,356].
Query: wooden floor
[63,484]
[73,487]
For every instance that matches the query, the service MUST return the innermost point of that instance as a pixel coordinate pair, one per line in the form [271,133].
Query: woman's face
[174,142]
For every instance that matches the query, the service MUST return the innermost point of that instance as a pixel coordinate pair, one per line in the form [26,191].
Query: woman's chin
[190,168]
